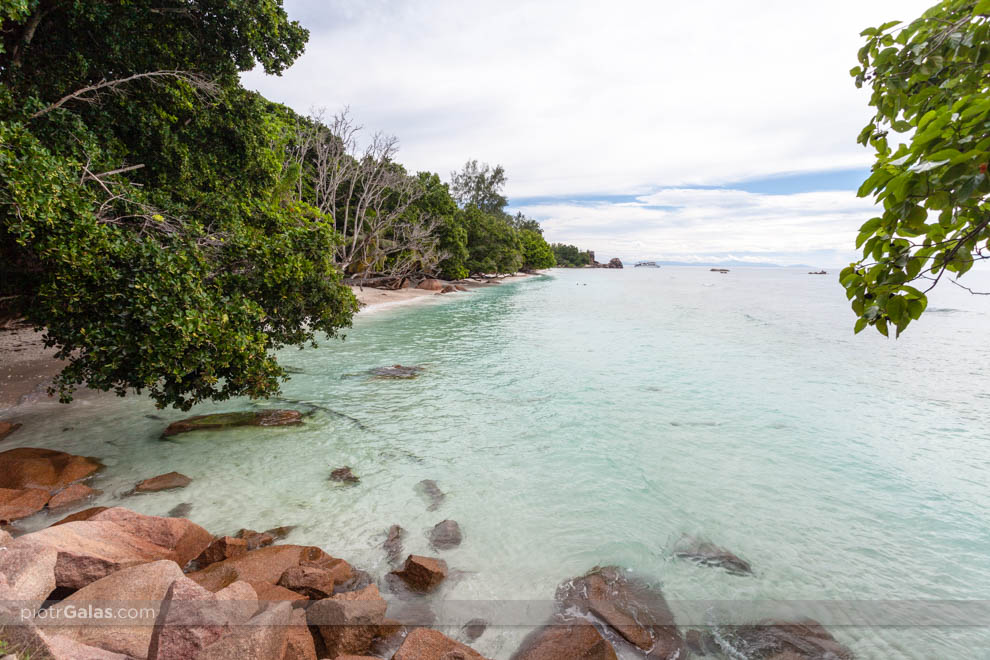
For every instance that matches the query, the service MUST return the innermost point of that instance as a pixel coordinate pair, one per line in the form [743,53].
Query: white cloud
[586,97]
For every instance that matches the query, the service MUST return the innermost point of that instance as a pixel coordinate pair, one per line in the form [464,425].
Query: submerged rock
[701,642]
[474,629]
[6,428]
[422,574]
[429,488]
[630,607]
[575,641]
[180,510]
[29,467]
[445,535]
[803,639]
[393,543]
[344,475]
[166,481]
[217,421]
[396,371]
[707,553]
[72,495]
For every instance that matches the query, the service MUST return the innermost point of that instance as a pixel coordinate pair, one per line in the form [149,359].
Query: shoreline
[28,367]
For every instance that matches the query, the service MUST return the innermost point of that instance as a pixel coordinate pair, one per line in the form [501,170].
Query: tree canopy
[931,135]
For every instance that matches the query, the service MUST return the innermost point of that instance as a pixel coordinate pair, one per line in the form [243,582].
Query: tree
[479,186]
[931,134]
[146,221]
[535,251]
[493,243]
[570,256]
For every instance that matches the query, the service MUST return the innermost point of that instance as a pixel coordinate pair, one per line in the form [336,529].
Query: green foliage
[479,186]
[493,243]
[437,202]
[570,256]
[536,253]
[931,134]
[183,272]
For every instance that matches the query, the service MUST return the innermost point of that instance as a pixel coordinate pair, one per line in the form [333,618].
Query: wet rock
[50,470]
[349,623]
[72,495]
[633,609]
[85,514]
[27,575]
[430,285]
[163,482]
[229,420]
[474,629]
[180,510]
[701,642]
[344,475]
[445,535]
[17,503]
[805,639]
[396,371]
[422,574]
[310,581]
[393,543]
[707,553]
[255,539]
[268,564]
[220,549]
[575,641]
[426,644]
[429,488]
[114,539]
[191,618]
[146,582]
[6,428]
[280,532]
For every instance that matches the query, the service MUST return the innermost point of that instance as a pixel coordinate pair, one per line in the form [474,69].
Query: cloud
[581,97]
[696,224]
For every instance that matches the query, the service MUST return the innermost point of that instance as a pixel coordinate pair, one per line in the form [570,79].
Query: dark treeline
[170,230]
[569,256]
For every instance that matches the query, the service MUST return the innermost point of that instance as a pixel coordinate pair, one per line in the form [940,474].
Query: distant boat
[719,270]
[647,264]
[818,272]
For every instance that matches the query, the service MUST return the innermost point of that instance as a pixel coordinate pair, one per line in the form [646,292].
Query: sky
[685,131]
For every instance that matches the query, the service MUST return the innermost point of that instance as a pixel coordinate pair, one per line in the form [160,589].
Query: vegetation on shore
[569,256]
[171,230]
[931,134]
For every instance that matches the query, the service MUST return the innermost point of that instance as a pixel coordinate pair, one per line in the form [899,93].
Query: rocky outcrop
[422,574]
[225,547]
[803,639]
[229,420]
[575,641]
[707,553]
[630,607]
[614,263]
[267,565]
[17,503]
[27,575]
[72,495]
[445,535]
[47,469]
[396,372]
[430,285]
[349,623]
[393,543]
[114,539]
[166,481]
[146,583]
[6,428]
[429,488]
[426,644]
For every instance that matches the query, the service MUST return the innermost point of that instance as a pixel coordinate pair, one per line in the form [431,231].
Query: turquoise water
[592,417]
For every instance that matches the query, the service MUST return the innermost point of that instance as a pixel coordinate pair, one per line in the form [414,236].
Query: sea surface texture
[593,417]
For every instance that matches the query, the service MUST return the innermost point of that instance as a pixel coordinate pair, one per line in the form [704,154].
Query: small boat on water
[818,272]
[647,264]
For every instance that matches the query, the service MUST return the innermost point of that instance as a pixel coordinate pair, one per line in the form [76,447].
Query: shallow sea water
[592,417]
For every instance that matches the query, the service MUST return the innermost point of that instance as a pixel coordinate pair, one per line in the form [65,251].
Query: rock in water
[393,543]
[180,510]
[29,467]
[396,371]
[633,609]
[17,503]
[575,641]
[349,623]
[6,428]
[474,629]
[436,496]
[344,475]
[230,420]
[163,482]
[614,263]
[707,553]
[445,535]
[797,640]
[72,495]
[426,644]
[422,574]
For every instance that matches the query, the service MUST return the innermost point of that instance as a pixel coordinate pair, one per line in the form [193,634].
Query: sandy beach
[27,367]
